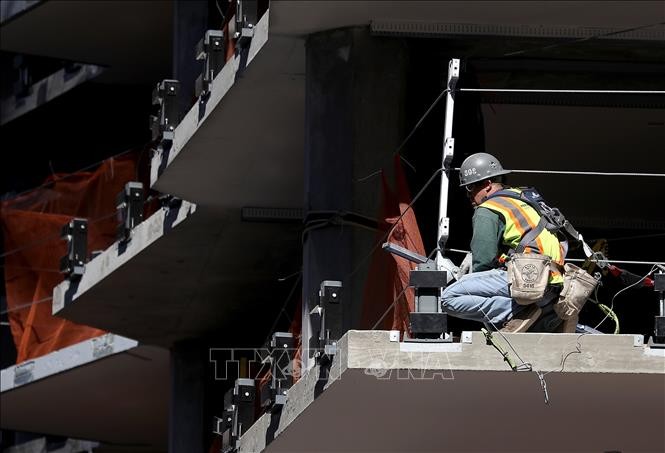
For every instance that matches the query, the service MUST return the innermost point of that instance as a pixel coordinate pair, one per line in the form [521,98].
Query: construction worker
[502,225]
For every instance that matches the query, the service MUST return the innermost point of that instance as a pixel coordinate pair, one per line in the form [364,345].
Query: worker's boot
[522,320]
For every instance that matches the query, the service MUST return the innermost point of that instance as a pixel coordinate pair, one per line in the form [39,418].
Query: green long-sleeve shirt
[488,228]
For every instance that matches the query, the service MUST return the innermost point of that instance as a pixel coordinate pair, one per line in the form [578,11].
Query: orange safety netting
[388,274]
[31,225]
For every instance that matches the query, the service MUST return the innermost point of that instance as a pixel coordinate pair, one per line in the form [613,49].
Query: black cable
[575,41]
[282,310]
[409,135]
[387,235]
[69,175]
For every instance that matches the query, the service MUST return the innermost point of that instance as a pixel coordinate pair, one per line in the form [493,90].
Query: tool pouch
[528,275]
[577,286]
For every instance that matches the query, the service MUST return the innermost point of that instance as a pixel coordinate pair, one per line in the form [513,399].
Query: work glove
[467,264]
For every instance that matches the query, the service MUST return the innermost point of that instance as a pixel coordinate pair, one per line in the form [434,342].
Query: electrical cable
[25,305]
[578,341]
[282,310]
[51,238]
[36,269]
[69,175]
[578,40]
[409,135]
[401,293]
[387,235]
[611,309]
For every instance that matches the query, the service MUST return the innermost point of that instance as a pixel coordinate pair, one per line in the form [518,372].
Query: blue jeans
[481,296]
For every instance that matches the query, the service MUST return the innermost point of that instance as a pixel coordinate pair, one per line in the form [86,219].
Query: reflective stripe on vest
[520,218]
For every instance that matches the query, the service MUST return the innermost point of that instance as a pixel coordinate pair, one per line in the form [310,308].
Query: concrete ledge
[200,112]
[390,396]
[144,235]
[46,90]
[108,389]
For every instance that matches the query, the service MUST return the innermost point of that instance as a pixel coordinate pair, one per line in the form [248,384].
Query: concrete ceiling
[250,149]
[133,39]
[211,273]
[303,17]
[121,399]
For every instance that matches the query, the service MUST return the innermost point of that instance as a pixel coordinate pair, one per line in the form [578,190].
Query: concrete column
[187,424]
[355,86]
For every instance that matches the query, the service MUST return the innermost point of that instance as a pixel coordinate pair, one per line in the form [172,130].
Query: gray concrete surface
[383,395]
[108,389]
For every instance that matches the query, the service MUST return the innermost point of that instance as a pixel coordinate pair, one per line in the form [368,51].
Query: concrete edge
[579,353]
[311,385]
[221,85]
[46,90]
[380,352]
[143,235]
[65,359]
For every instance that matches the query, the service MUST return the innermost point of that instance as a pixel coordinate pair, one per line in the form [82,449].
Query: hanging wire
[387,235]
[25,305]
[408,137]
[578,341]
[397,298]
[575,41]
[36,269]
[653,268]
[52,238]
[69,175]
[282,310]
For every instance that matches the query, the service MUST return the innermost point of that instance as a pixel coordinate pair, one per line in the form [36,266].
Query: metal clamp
[129,204]
[76,234]
[165,96]
[211,50]
[246,18]
[238,413]
[281,367]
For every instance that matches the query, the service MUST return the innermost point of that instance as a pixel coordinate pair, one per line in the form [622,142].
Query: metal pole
[448,151]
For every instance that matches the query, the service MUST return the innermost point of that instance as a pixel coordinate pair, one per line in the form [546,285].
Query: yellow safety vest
[520,218]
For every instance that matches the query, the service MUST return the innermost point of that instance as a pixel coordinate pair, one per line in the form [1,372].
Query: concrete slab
[383,395]
[180,276]
[46,90]
[571,19]
[244,145]
[108,389]
[81,31]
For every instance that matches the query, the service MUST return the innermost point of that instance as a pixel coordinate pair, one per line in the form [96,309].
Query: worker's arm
[488,229]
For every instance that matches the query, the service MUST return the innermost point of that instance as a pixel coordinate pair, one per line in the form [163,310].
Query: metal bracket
[23,373]
[238,413]
[448,152]
[211,49]
[281,367]
[129,204]
[165,96]
[102,346]
[246,19]
[76,234]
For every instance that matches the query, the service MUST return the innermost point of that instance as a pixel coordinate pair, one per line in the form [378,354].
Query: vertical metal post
[448,151]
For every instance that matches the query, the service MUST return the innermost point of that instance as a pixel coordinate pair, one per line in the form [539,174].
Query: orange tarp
[388,274]
[31,225]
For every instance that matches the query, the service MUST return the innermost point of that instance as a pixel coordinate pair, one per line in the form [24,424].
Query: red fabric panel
[389,274]
[31,225]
